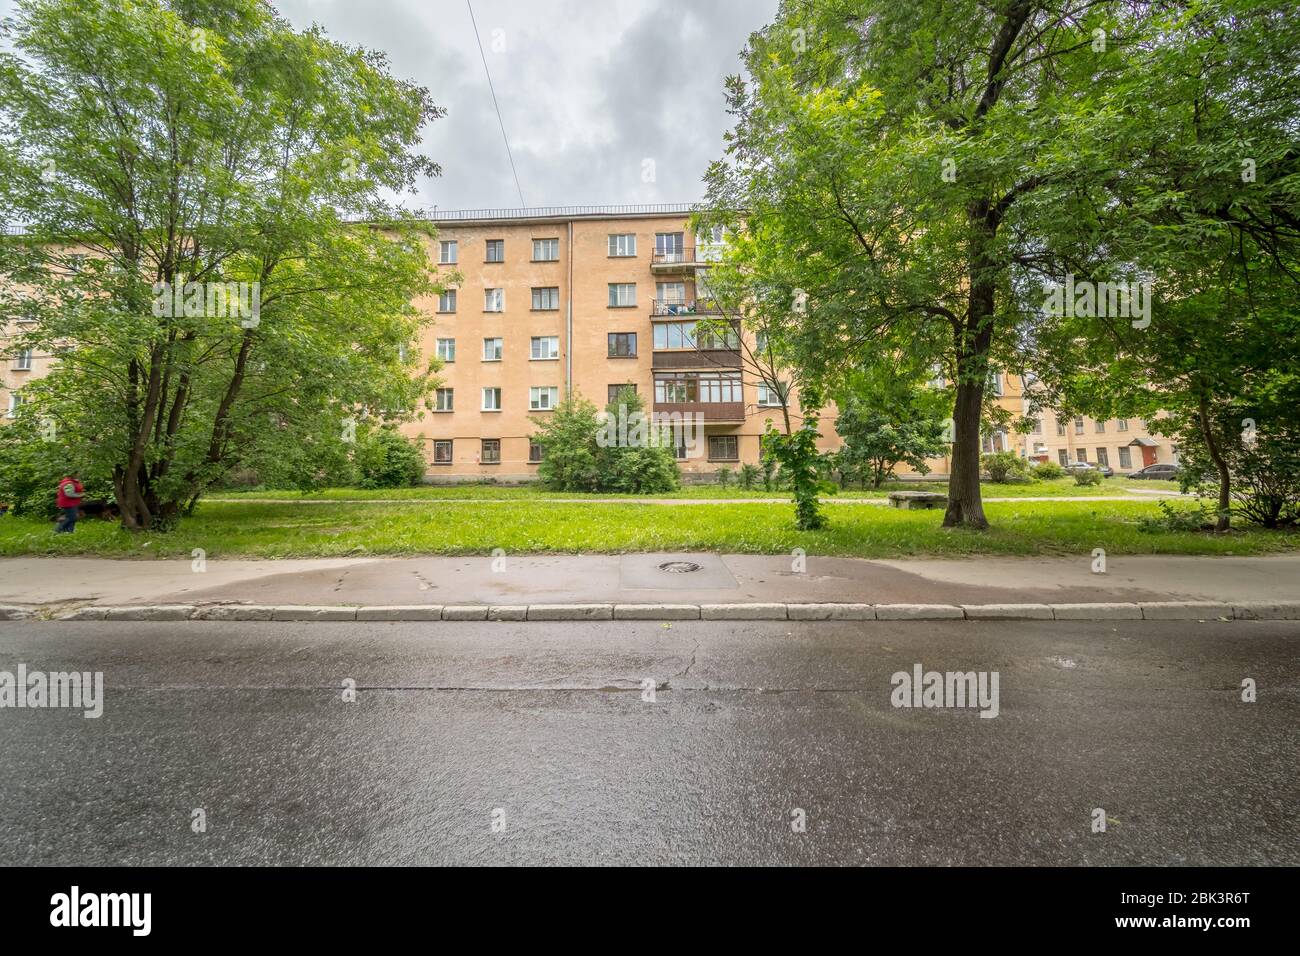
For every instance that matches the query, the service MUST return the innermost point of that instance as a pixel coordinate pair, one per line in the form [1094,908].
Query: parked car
[1164,472]
[1106,470]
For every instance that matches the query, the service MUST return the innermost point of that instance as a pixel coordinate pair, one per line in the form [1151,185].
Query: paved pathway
[829,499]
[637,578]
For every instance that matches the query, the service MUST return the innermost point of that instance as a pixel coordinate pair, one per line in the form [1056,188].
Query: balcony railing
[686,258]
[688,307]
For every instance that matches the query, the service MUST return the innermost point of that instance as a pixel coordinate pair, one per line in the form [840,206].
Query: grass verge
[228,529]
[1061,487]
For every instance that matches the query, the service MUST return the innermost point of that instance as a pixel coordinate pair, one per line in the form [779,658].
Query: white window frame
[446,246]
[489,245]
[445,349]
[23,361]
[535,398]
[766,392]
[546,245]
[495,392]
[495,295]
[494,348]
[544,348]
[445,298]
[622,245]
[15,400]
[449,405]
[546,298]
[616,295]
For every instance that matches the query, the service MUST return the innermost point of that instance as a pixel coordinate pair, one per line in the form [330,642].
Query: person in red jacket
[69,500]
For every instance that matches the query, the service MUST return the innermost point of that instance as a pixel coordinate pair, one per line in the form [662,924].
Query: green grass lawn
[1061,487]
[226,529]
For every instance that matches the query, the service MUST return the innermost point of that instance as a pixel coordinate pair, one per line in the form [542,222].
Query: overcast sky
[604,101]
[589,91]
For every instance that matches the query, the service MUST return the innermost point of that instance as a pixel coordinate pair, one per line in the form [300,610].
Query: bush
[386,459]
[724,476]
[621,455]
[1268,476]
[1084,477]
[30,469]
[1048,471]
[1006,466]
[747,476]
[568,439]
[1178,519]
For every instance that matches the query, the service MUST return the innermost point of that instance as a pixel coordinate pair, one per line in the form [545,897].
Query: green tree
[891,162]
[152,146]
[1207,215]
[885,420]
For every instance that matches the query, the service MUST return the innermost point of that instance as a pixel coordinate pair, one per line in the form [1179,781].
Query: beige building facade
[589,300]
[539,303]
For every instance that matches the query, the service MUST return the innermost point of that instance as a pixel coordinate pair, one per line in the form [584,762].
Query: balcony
[696,359]
[733,412]
[676,308]
[687,259]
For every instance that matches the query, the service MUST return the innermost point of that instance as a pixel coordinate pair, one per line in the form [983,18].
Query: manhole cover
[679,567]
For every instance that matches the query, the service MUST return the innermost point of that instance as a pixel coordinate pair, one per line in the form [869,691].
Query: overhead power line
[505,139]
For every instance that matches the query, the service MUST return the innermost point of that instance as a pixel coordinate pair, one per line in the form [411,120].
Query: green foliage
[799,460]
[724,477]
[1177,520]
[1048,471]
[1268,471]
[621,455]
[153,143]
[386,459]
[747,476]
[1085,477]
[1006,466]
[886,419]
[31,466]
[568,438]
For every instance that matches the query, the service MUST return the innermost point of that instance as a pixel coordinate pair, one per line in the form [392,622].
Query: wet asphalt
[496,743]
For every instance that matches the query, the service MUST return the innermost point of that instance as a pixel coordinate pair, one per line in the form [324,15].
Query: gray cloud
[589,91]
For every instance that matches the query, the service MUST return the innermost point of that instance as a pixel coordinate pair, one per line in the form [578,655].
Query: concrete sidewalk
[639,578]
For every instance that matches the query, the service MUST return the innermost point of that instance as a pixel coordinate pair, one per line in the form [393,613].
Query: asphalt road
[543,729]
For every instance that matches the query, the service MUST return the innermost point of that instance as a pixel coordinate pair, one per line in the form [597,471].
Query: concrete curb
[1102,611]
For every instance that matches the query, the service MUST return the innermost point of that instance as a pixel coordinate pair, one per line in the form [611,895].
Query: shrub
[1087,476]
[30,469]
[724,476]
[799,458]
[747,476]
[1268,477]
[1006,466]
[568,437]
[1048,471]
[386,459]
[621,455]
[1178,519]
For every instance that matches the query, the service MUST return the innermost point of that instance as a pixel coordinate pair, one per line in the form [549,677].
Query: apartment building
[592,299]
[1124,444]
[589,300]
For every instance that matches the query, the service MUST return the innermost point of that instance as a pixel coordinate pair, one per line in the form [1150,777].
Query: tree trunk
[1224,520]
[965,506]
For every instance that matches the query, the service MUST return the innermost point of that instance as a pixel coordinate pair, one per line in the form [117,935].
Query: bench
[917,499]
